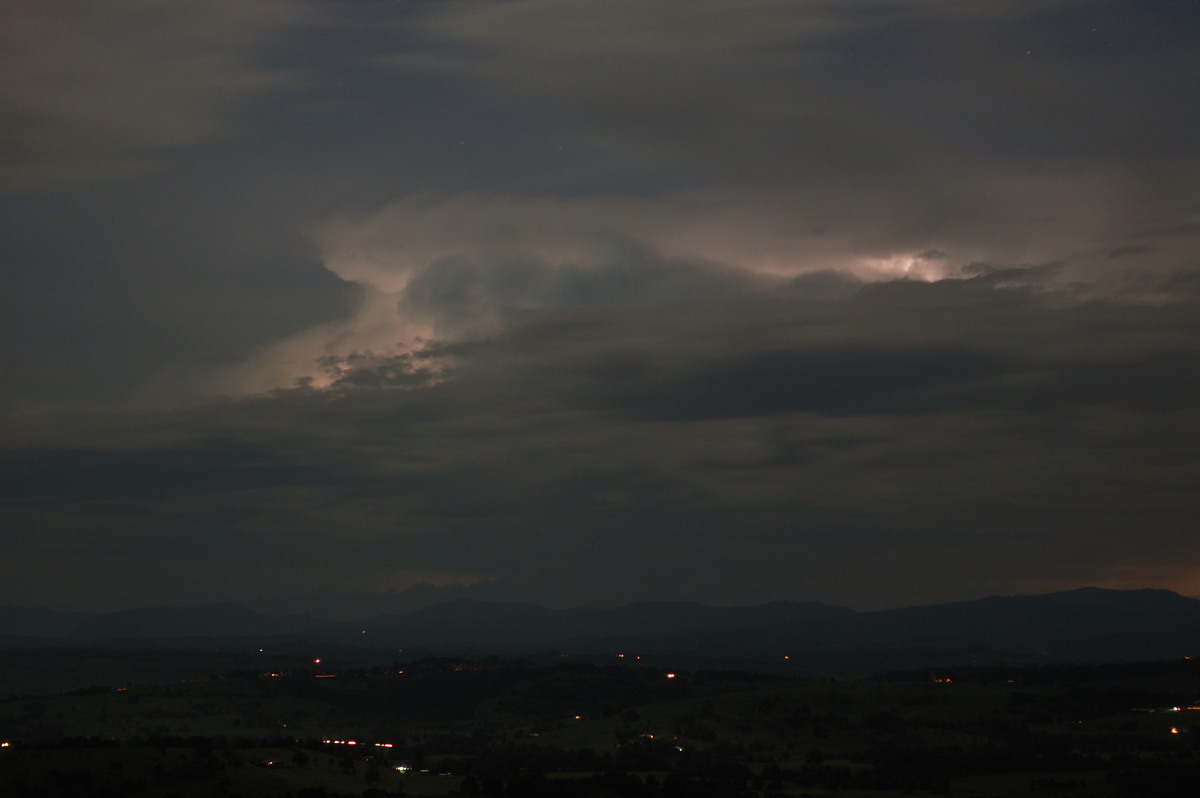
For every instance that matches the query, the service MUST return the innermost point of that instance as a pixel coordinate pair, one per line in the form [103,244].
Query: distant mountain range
[1089,624]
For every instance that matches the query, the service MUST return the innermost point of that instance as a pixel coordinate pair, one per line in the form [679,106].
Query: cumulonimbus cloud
[450,269]
[446,270]
[804,151]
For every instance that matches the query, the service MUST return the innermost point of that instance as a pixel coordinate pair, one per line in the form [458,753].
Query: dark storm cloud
[930,113]
[870,302]
[854,379]
[94,90]
[771,436]
[120,476]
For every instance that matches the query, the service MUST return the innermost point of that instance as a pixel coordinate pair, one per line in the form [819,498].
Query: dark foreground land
[511,728]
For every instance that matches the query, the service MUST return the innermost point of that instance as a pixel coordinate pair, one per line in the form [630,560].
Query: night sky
[352,306]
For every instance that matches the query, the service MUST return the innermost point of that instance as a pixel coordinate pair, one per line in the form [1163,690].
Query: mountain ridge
[1086,623]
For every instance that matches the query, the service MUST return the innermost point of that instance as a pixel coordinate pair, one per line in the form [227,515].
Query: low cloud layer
[950,434]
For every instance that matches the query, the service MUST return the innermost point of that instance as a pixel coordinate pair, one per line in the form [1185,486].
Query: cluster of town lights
[356,742]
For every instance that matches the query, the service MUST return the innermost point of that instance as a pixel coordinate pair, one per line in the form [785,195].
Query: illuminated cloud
[441,271]
[452,270]
[878,141]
